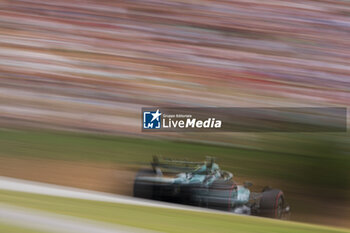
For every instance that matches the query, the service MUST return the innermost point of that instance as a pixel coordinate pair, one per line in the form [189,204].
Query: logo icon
[151,120]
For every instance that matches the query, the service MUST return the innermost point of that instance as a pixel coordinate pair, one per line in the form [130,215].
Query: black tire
[143,189]
[221,190]
[272,203]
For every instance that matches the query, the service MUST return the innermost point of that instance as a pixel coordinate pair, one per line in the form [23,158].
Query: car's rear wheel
[220,194]
[142,188]
[272,203]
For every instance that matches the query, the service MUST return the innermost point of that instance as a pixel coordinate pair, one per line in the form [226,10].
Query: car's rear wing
[174,165]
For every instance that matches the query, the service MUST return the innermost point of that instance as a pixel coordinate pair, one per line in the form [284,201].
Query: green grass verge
[117,149]
[158,219]
[303,162]
[7,228]
[310,166]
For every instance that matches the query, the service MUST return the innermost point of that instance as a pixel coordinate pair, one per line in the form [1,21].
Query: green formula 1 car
[204,184]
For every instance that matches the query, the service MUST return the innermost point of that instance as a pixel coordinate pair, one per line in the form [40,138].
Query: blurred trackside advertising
[216,119]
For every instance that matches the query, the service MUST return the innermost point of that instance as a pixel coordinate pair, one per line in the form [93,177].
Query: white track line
[26,186]
[56,223]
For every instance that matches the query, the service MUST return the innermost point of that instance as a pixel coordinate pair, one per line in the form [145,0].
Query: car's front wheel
[272,203]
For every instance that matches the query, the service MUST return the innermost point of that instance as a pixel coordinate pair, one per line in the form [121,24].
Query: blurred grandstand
[91,65]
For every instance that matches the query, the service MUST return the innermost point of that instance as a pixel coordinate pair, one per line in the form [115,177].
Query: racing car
[204,184]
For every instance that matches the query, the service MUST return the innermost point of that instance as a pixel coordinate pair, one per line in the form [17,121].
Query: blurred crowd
[93,64]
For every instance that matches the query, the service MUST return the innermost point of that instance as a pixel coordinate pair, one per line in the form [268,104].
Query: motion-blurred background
[75,74]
